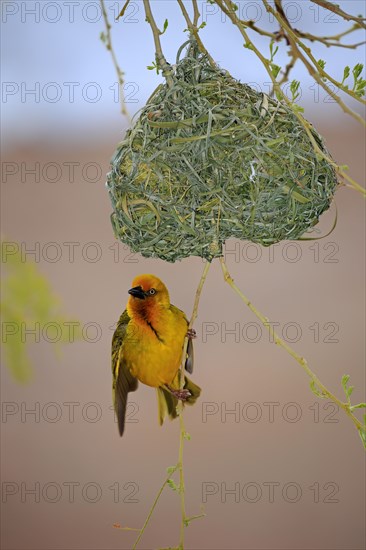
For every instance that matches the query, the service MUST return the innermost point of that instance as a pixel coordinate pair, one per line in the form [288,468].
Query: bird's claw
[191,333]
[182,395]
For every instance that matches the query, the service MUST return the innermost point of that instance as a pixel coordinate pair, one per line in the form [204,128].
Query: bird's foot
[182,395]
[191,333]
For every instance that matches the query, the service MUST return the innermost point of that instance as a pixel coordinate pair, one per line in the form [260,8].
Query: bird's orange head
[148,296]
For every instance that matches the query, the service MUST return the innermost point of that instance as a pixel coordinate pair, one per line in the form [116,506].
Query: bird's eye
[152,291]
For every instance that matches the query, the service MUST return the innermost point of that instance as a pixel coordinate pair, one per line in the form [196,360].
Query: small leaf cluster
[359,83]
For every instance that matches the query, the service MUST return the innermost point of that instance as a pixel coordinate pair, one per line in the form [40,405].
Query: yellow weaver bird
[147,345]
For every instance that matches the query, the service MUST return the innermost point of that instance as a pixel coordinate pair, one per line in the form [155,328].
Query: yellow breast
[153,352]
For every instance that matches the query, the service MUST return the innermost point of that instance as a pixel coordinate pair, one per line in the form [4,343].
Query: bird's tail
[167,403]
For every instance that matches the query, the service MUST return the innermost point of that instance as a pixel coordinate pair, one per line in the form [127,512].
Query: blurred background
[273,467]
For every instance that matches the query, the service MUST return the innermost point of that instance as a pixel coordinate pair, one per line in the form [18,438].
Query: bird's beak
[137,292]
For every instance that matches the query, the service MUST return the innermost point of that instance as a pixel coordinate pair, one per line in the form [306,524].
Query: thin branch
[182,489]
[109,46]
[230,12]
[196,13]
[326,40]
[355,26]
[286,74]
[333,40]
[160,58]
[329,42]
[123,10]
[194,314]
[316,72]
[251,25]
[182,436]
[301,360]
[142,530]
[336,9]
[194,30]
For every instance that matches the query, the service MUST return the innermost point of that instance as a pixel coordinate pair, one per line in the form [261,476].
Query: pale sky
[54,50]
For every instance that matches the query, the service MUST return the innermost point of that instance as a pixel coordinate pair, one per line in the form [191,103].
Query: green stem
[181,481]
[160,58]
[193,317]
[317,72]
[142,530]
[331,6]
[196,13]
[279,342]
[230,12]
[180,406]
[194,30]
[118,69]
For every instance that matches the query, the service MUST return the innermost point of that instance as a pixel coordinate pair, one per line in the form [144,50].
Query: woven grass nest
[209,158]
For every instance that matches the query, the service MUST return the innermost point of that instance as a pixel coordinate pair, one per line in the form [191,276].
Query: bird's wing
[123,381]
[190,357]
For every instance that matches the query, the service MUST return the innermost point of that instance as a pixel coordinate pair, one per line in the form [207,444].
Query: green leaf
[359,406]
[294,88]
[359,87]
[275,69]
[172,485]
[152,67]
[273,50]
[345,379]
[186,436]
[300,109]
[357,70]
[346,73]
[322,63]
[362,433]
[171,469]
[165,26]
[316,391]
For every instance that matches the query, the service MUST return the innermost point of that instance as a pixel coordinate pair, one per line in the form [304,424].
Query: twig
[286,74]
[315,71]
[230,12]
[182,489]
[333,40]
[194,315]
[329,40]
[192,27]
[196,13]
[109,46]
[123,10]
[142,530]
[251,25]
[278,341]
[336,9]
[182,435]
[160,58]
[326,40]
